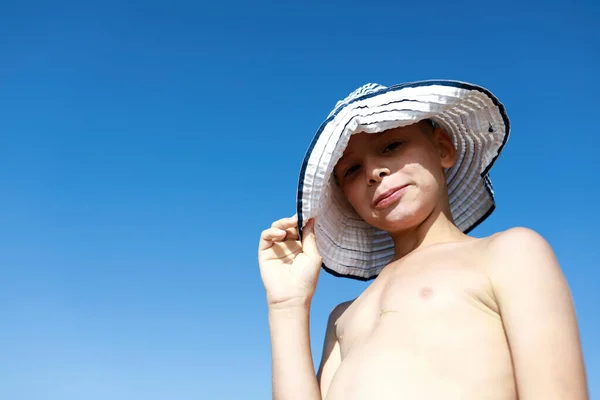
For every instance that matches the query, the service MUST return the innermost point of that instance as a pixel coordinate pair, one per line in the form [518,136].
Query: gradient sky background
[144,146]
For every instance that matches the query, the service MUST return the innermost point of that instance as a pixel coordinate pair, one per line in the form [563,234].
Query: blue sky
[145,145]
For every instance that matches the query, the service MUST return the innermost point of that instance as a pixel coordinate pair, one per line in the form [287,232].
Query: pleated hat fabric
[472,115]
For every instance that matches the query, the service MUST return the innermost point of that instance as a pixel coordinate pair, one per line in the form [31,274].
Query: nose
[375,173]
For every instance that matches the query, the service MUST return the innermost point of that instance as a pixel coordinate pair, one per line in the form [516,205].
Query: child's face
[395,179]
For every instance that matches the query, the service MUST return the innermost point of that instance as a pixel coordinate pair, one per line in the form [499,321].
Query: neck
[437,228]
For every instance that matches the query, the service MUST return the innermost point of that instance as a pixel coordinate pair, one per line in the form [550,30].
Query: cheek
[418,169]
[416,173]
[353,195]
[357,196]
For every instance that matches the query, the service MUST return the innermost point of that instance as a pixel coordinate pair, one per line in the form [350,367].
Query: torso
[427,328]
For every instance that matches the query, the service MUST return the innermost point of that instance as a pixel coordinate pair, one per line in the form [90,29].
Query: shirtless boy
[390,186]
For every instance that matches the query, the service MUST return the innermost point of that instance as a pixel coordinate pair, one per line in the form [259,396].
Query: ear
[445,146]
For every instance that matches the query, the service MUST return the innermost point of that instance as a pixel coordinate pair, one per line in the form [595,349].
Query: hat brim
[472,115]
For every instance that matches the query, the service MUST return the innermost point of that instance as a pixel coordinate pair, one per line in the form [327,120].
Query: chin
[399,217]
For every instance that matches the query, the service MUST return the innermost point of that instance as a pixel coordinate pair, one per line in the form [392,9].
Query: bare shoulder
[339,310]
[518,255]
[331,356]
[517,236]
[515,244]
[335,321]
[538,315]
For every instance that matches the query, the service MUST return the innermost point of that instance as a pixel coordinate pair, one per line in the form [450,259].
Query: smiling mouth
[388,197]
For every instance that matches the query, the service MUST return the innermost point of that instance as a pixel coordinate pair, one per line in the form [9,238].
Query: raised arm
[293,372]
[289,270]
[538,316]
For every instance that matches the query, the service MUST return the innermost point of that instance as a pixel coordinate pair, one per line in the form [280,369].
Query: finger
[281,251]
[292,234]
[286,223]
[269,236]
[286,251]
[309,242]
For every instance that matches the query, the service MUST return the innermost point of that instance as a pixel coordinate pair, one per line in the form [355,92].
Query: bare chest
[419,302]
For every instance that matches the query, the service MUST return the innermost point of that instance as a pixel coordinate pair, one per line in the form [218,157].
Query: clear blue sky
[144,146]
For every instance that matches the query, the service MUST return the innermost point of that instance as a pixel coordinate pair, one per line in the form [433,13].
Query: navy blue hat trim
[484,174]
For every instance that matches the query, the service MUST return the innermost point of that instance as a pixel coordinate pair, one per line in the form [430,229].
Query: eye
[351,170]
[393,146]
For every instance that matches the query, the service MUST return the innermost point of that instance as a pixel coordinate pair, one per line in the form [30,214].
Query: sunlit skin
[450,317]
[412,158]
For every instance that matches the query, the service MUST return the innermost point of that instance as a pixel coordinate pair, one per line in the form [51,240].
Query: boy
[392,182]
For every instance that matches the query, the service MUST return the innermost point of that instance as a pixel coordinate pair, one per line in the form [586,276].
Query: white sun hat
[472,115]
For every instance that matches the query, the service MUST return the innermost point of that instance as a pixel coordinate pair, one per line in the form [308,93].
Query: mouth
[388,197]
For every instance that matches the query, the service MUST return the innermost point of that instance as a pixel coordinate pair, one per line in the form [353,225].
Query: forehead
[361,139]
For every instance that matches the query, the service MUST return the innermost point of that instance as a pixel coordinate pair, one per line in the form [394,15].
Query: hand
[289,268]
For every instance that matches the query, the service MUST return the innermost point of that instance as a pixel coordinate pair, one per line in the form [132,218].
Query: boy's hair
[427,125]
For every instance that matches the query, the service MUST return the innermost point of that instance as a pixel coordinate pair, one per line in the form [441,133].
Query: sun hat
[472,115]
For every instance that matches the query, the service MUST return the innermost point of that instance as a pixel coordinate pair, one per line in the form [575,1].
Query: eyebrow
[373,136]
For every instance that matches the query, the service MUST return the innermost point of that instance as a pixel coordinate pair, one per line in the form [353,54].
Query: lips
[388,197]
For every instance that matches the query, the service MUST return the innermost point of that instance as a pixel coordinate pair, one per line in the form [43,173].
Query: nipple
[426,292]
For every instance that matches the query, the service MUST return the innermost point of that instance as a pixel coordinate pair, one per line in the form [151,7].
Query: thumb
[309,242]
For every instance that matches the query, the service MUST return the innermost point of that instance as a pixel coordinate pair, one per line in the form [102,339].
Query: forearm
[293,371]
